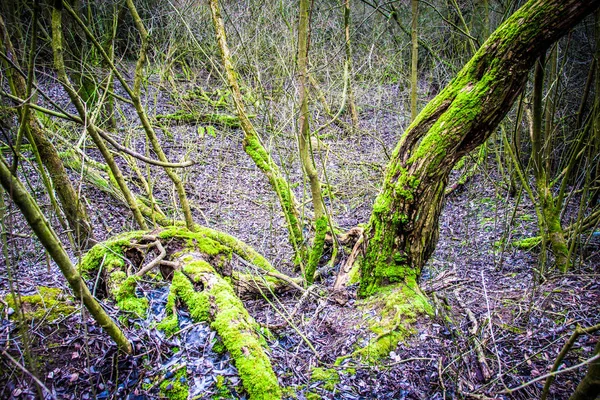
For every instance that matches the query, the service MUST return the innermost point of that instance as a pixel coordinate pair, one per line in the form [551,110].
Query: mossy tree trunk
[403,228]
[73,207]
[304,143]
[44,232]
[59,65]
[197,272]
[254,148]
[549,217]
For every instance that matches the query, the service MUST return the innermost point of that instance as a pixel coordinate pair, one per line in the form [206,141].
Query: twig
[485,369]
[22,368]
[157,260]
[563,352]
[487,302]
[551,374]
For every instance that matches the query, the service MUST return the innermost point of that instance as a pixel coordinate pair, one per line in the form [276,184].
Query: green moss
[198,240]
[49,304]
[125,294]
[169,325]
[329,377]
[317,249]
[176,388]
[195,117]
[222,389]
[528,243]
[312,396]
[108,254]
[231,321]
[397,310]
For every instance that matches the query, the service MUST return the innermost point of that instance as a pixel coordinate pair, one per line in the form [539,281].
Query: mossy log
[199,268]
[182,117]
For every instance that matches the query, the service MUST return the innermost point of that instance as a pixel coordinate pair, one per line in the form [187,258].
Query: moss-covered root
[218,304]
[184,117]
[397,309]
[317,249]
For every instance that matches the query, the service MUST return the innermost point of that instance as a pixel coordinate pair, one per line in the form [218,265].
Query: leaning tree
[403,228]
[402,231]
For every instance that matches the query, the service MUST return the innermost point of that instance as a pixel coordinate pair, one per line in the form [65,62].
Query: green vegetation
[328,377]
[48,304]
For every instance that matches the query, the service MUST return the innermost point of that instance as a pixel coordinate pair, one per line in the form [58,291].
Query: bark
[589,387]
[53,246]
[403,228]
[74,209]
[304,143]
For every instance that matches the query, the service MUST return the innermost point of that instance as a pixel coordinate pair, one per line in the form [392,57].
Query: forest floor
[484,290]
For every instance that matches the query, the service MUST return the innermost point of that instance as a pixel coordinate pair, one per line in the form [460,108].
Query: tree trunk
[304,143]
[254,148]
[53,246]
[403,228]
[589,387]
[72,205]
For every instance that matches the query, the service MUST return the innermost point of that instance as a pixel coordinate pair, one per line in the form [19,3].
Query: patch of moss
[50,304]
[317,249]
[231,321]
[328,376]
[528,243]
[177,387]
[222,389]
[195,117]
[398,309]
[312,396]
[125,294]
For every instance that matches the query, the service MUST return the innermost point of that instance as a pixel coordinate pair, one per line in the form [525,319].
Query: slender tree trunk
[306,156]
[348,66]
[414,59]
[137,83]
[51,243]
[550,226]
[72,205]
[57,49]
[254,148]
[403,228]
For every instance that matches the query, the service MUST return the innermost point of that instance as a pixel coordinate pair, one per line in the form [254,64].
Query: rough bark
[403,228]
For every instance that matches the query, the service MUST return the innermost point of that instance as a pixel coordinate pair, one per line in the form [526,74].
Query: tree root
[197,268]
